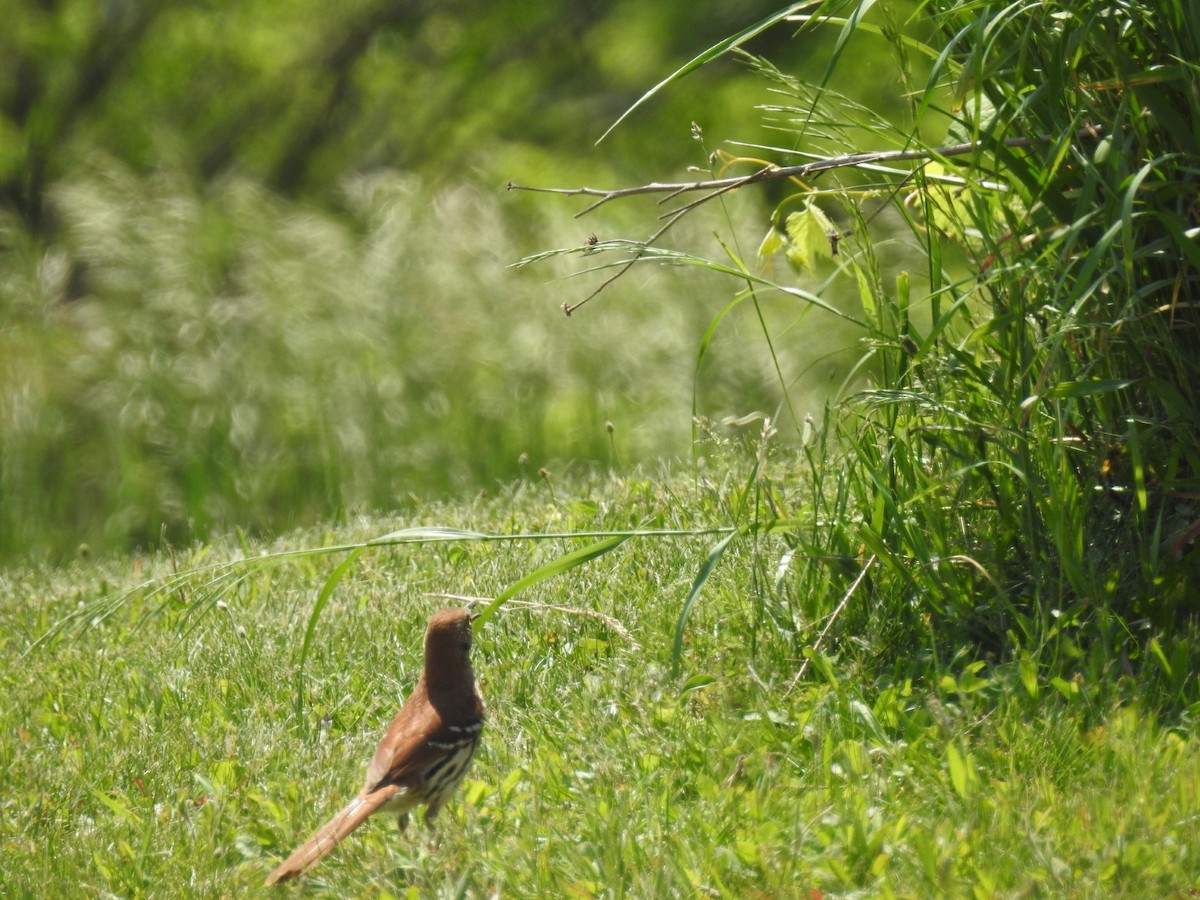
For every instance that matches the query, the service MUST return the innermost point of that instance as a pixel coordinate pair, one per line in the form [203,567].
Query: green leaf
[960,772]
[1157,652]
[1029,675]
[747,853]
[1089,388]
[966,683]
[808,231]
[772,243]
[866,295]
[590,648]
[509,783]
[1068,689]
[122,812]
[823,664]
[426,535]
[1137,464]
[696,682]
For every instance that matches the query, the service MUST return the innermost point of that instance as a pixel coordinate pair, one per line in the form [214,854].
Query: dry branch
[715,187]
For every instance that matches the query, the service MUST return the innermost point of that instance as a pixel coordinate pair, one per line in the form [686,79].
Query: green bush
[1022,477]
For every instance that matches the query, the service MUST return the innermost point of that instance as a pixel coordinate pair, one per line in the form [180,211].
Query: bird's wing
[406,749]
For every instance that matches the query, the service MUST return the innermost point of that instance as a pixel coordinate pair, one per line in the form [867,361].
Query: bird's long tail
[328,835]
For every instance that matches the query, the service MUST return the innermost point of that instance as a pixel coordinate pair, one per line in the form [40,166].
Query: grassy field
[158,746]
[918,618]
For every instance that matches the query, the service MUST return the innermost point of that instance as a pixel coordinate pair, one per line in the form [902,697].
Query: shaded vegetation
[297,96]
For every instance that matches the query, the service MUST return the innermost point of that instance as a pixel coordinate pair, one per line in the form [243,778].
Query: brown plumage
[424,752]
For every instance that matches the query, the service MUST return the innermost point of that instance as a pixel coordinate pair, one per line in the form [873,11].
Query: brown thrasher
[426,749]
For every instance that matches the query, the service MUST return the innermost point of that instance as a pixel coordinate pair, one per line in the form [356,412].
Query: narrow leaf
[424,535]
[716,50]
[1157,651]
[322,598]
[1089,387]
[696,682]
[958,770]
[706,570]
[122,812]
[556,567]
[1029,675]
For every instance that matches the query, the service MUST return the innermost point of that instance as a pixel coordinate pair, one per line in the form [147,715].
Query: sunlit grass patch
[159,753]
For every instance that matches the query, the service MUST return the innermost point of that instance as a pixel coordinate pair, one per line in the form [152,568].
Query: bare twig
[715,187]
[776,173]
[569,308]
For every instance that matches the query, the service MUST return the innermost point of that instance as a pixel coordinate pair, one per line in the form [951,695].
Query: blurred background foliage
[254,256]
[299,95]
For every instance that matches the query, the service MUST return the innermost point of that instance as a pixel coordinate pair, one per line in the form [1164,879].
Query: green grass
[160,752]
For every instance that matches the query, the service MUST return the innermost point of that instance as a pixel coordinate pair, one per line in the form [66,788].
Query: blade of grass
[710,563]
[322,598]
[716,50]
[556,567]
